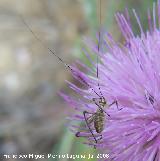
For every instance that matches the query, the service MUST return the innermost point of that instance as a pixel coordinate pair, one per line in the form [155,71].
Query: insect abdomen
[99,121]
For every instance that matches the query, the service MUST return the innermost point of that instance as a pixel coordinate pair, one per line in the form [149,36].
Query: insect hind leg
[84,113]
[100,137]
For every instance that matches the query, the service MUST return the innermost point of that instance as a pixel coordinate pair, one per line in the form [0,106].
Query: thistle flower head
[130,74]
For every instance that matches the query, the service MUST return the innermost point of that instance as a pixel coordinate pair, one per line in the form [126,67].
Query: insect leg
[100,137]
[90,119]
[115,102]
[87,123]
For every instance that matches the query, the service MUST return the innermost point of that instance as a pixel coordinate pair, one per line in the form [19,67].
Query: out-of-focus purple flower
[130,74]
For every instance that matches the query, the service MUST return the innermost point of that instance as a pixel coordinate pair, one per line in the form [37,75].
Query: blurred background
[32,114]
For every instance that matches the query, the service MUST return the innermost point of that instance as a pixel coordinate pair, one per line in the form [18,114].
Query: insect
[98,117]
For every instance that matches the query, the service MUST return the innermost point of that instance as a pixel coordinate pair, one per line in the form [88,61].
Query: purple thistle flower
[130,74]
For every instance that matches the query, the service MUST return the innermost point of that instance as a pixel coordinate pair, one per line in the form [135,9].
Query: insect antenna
[100,41]
[99,45]
[42,43]
[59,58]
[99,48]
